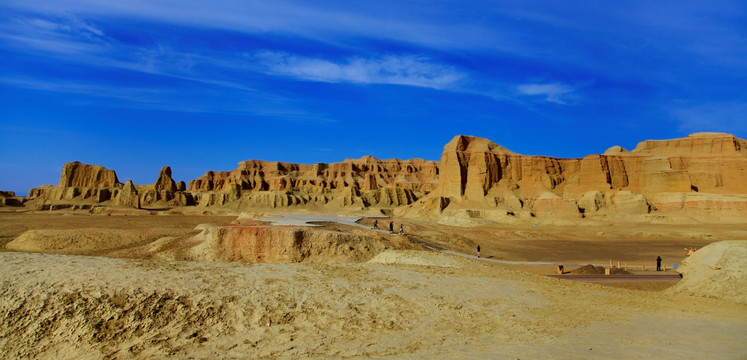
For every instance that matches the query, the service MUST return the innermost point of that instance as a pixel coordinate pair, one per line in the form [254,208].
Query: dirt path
[310,220]
[671,278]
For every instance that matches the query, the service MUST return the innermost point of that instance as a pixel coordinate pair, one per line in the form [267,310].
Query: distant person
[478,251]
[376,224]
[391,227]
[658,263]
[401,229]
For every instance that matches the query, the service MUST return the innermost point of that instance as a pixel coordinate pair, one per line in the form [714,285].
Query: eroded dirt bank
[253,242]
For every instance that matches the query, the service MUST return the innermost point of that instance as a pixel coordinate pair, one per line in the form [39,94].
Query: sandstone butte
[702,177]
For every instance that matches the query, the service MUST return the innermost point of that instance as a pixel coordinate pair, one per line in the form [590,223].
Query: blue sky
[197,85]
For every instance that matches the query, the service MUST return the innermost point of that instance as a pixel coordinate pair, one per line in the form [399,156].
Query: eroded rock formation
[361,182]
[9,198]
[128,196]
[703,174]
[165,189]
[94,184]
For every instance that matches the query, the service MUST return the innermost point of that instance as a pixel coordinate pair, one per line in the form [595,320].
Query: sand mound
[416,257]
[596,270]
[718,270]
[84,241]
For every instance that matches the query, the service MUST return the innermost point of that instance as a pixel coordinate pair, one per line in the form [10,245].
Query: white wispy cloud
[408,70]
[323,22]
[71,39]
[61,34]
[557,93]
[528,30]
[75,41]
[67,25]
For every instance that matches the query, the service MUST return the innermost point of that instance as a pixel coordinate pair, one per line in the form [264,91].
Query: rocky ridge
[358,183]
[700,176]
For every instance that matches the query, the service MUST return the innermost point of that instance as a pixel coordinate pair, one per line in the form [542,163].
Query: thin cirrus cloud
[388,69]
[324,22]
[73,39]
[51,36]
[681,58]
[557,93]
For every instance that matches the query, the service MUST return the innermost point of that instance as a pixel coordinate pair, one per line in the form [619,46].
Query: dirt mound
[718,270]
[596,270]
[215,243]
[87,241]
[279,244]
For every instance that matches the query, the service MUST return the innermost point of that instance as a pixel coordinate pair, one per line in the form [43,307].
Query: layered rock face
[89,182]
[79,175]
[361,182]
[96,184]
[704,173]
[471,167]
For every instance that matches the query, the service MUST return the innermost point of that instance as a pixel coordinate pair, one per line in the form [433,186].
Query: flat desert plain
[156,285]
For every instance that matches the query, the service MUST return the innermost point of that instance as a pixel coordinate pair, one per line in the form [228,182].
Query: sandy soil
[577,243]
[635,244]
[90,307]
[400,304]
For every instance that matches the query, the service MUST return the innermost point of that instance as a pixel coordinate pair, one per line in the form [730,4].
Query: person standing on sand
[478,251]
[401,229]
[658,263]
[376,224]
[391,227]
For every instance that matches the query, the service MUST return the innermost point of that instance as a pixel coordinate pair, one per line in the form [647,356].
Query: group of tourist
[391,227]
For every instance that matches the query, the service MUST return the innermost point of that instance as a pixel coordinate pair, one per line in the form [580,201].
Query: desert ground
[126,285]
